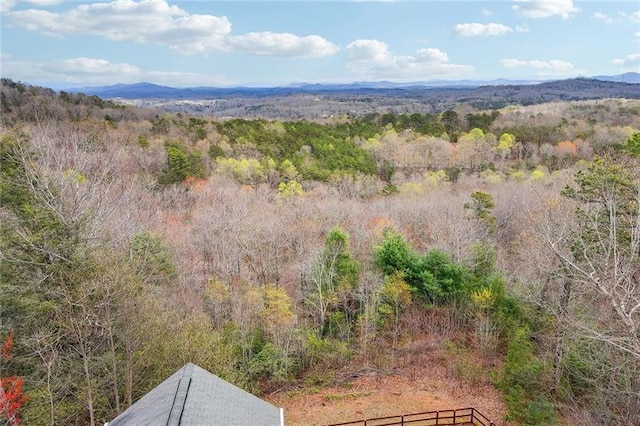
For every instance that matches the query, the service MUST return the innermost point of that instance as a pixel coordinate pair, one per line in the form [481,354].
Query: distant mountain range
[154,91]
[628,77]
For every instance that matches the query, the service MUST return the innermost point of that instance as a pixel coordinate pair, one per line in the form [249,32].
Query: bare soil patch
[423,381]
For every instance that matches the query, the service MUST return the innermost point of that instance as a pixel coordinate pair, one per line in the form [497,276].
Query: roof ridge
[180,398]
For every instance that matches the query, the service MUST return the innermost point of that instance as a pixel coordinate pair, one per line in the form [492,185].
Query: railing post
[402,420]
[437,418]
[454,417]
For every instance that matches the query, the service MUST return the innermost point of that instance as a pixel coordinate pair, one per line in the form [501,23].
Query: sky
[277,43]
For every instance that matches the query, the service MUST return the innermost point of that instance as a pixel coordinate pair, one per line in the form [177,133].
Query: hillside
[425,378]
[440,251]
[317,101]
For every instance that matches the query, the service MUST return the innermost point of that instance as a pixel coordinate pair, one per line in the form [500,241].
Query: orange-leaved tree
[11,394]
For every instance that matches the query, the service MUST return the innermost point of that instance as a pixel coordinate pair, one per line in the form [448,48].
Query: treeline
[277,252]
[394,147]
[285,104]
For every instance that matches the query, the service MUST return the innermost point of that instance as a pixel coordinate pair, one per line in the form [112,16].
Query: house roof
[192,396]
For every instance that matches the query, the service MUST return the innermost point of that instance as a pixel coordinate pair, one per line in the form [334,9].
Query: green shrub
[143,141]
[270,363]
[433,275]
[523,382]
[464,365]
[326,352]
[181,163]
[216,151]
[540,412]
[152,257]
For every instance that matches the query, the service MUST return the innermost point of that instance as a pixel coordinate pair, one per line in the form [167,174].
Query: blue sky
[264,43]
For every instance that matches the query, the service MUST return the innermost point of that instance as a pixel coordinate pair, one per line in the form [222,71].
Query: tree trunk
[114,368]
[559,335]
[634,390]
[87,375]
[128,386]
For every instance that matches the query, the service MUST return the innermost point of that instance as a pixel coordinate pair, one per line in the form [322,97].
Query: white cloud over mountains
[90,29]
[282,44]
[477,30]
[368,50]
[91,66]
[100,71]
[373,59]
[537,9]
[629,60]
[554,66]
[157,22]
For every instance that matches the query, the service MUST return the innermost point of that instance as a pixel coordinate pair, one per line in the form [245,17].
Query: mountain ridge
[154,91]
[627,77]
[322,101]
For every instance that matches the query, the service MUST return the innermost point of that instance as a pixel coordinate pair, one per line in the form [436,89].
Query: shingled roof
[193,396]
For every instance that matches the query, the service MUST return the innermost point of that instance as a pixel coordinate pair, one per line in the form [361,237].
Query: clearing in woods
[425,381]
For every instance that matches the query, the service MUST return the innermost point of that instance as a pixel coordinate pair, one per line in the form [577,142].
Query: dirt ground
[424,382]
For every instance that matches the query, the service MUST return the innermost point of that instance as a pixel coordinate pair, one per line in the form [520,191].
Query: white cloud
[90,66]
[524,28]
[282,44]
[368,50]
[90,71]
[186,79]
[372,59]
[157,22]
[44,2]
[74,70]
[486,12]
[637,35]
[7,5]
[128,21]
[545,8]
[602,18]
[633,17]
[512,63]
[628,60]
[554,66]
[477,30]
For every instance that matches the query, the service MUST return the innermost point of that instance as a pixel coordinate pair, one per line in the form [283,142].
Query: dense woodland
[278,253]
[321,101]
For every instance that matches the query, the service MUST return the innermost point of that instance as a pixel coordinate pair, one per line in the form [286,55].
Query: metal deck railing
[458,416]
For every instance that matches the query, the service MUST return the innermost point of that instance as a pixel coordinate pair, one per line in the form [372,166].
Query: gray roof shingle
[194,397]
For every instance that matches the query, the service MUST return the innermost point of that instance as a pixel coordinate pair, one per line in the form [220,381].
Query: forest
[277,254]
[317,101]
